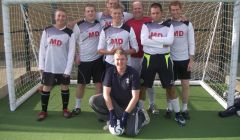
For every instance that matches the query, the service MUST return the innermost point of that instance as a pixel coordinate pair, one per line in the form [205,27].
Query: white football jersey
[184,43]
[156,37]
[114,37]
[87,37]
[57,50]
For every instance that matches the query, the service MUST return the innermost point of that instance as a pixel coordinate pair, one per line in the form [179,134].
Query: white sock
[175,105]
[184,107]
[169,105]
[141,104]
[151,95]
[78,103]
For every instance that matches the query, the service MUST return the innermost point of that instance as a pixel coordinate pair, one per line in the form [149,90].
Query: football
[116,130]
[238,113]
[236,94]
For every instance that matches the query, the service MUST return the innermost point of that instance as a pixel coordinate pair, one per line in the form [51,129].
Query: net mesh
[212,22]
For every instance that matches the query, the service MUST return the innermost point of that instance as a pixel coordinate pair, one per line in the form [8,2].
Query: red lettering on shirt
[178,33]
[93,34]
[156,34]
[55,42]
[117,41]
[107,23]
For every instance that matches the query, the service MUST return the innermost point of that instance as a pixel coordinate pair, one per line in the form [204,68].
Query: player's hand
[190,65]
[112,118]
[41,72]
[77,60]
[124,118]
[71,24]
[113,50]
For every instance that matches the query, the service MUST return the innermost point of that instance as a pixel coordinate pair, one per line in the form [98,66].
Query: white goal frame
[14,103]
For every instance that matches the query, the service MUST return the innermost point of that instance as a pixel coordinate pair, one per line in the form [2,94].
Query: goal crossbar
[52,1]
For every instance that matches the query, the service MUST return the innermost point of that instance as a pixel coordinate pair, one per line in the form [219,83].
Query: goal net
[216,33]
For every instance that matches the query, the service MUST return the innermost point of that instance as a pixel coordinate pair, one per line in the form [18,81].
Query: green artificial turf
[204,122]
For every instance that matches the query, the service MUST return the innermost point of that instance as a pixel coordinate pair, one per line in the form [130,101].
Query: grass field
[204,123]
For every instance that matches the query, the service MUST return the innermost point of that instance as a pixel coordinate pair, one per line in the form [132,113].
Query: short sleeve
[108,77]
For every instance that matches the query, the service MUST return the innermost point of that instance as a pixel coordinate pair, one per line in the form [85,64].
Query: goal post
[216,25]
[8,56]
[234,53]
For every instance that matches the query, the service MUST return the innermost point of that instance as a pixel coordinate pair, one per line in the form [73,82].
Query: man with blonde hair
[182,52]
[121,86]
[117,36]
[105,17]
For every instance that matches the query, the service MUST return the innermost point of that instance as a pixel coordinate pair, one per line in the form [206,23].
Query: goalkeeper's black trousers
[134,121]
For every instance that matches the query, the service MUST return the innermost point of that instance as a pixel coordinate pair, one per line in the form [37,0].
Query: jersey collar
[117,26]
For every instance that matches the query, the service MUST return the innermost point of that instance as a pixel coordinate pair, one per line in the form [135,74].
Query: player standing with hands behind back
[90,63]
[182,52]
[56,56]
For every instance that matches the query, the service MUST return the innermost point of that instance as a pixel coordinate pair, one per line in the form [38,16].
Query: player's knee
[92,100]
[64,87]
[142,96]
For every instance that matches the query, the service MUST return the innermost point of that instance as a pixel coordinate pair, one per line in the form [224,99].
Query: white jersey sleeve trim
[71,54]
[133,40]
[76,31]
[42,51]
[191,39]
[102,42]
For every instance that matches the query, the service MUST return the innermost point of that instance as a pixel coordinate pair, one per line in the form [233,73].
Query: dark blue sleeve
[135,80]
[108,77]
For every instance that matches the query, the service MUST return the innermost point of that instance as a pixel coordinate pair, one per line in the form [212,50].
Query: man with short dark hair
[56,56]
[90,63]
[104,17]
[136,59]
[156,37]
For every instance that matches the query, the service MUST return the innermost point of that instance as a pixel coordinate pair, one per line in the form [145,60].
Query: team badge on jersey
[127,81]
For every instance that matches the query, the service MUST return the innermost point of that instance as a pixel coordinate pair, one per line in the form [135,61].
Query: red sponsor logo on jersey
[178,33]
[107,23]
[93,34]
[55,42]
[117,41]
[156,34]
